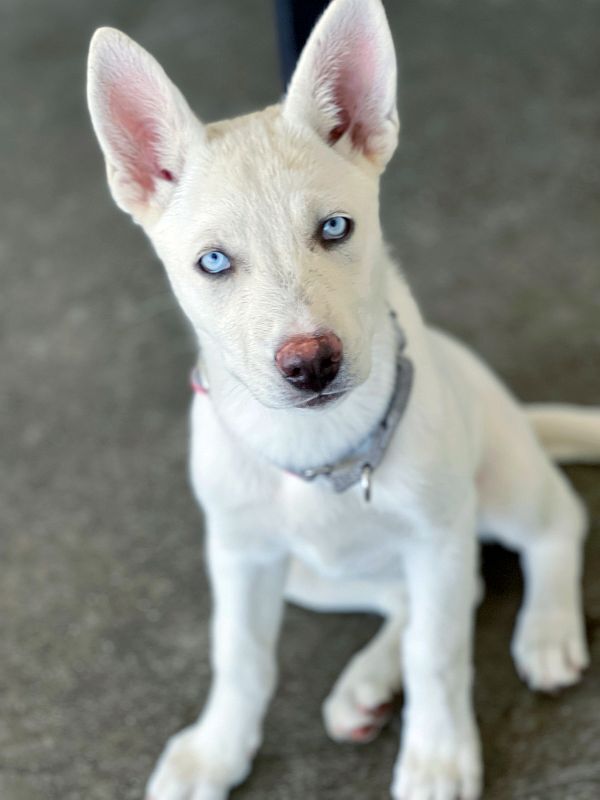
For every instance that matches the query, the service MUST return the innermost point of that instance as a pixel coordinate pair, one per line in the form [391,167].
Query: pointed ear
[142,122]
[344,86]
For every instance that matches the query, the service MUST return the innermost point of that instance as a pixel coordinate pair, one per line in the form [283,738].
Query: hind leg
[360,702]
[532,508]
[549,646]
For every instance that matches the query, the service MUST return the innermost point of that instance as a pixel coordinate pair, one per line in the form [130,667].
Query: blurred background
[493,206]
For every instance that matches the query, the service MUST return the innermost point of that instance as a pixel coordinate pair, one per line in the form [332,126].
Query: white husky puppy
[346,456]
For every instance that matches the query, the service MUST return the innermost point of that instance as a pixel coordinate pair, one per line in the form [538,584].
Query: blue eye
[336,228]
[214,262]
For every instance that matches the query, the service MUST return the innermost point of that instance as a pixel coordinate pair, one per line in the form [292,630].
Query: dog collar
[359,464]
[198,382]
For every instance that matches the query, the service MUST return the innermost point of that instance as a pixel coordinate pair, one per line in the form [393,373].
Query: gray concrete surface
[493,203]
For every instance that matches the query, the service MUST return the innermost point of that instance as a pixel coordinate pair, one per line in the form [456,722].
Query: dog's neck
[302,439]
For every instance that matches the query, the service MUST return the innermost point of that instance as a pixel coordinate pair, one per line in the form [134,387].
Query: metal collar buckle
[311,474]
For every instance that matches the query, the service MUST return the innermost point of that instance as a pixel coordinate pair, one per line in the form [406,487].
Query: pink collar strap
[197,383]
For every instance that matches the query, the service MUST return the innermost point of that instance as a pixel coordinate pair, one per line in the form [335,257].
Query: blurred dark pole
[295,20]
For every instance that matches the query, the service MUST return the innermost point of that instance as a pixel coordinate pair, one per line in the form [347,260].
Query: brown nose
[310,363]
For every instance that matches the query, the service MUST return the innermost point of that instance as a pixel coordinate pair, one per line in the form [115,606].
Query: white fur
[463,460]
[568,433]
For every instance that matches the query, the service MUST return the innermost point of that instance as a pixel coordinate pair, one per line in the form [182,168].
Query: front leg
[440,756]
[204,761]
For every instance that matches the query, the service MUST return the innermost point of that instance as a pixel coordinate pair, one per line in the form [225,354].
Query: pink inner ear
[137,137]
[354,90]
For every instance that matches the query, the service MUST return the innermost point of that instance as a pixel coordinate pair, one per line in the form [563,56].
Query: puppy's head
[268,224]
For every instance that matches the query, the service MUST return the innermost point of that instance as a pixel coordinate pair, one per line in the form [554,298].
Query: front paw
[440,768]
[196,765]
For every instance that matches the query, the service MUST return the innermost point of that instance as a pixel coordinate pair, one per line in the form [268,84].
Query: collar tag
[366,482]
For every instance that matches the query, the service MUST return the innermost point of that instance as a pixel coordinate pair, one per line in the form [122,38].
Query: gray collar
[359,464]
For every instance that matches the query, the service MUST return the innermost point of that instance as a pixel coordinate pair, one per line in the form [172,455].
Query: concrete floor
[493,205]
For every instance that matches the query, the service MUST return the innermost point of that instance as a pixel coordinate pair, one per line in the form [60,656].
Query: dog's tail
[569,434]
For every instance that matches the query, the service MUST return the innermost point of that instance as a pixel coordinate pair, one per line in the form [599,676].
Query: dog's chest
[341,535]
